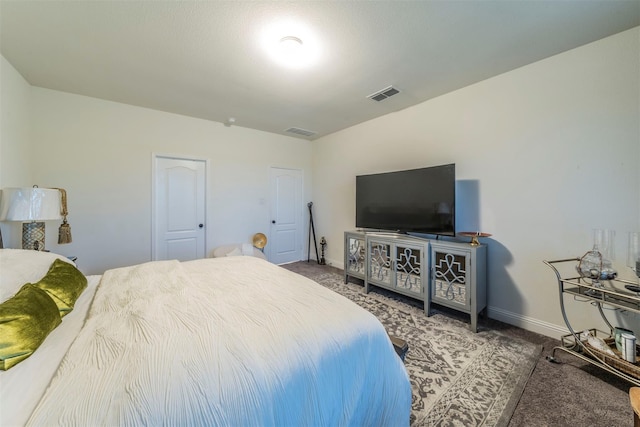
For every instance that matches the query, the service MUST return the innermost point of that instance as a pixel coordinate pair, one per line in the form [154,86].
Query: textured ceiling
[205,59]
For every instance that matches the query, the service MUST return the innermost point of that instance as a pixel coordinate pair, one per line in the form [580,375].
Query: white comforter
[228,341]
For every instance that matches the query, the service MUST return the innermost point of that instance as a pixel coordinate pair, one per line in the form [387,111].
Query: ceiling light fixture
[290,50]
[291,43]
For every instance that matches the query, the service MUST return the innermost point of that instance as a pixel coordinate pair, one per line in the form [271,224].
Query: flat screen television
[416,200]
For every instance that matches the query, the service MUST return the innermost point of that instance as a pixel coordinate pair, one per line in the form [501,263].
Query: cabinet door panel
[355,256]
[380,262]
[409,262]
[450,278]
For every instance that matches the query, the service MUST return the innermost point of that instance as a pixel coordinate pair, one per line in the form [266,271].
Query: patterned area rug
[458,378]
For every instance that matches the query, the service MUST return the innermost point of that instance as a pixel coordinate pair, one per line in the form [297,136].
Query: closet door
[286,232]
[179,209]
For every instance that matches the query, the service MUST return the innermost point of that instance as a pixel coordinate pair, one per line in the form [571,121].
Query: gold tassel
[64,232]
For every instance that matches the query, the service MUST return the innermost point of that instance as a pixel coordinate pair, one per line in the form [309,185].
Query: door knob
[273,221]
[200,225]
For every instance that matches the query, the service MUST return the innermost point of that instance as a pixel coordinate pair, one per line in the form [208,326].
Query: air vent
[302,132]
[383,94]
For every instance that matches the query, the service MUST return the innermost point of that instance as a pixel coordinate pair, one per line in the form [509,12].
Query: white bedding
[226,341]
[22,387]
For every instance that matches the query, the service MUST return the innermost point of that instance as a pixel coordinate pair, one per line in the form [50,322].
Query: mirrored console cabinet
[448,273]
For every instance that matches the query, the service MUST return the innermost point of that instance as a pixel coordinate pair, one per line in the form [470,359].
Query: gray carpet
[567,394]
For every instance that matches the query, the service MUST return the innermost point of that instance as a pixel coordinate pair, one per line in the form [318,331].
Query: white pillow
[20,266]
[235,252]
[247,249]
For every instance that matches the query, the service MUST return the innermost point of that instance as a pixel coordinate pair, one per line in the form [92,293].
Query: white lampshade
[30,204]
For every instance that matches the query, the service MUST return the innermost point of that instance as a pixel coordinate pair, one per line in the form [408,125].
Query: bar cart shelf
[611,294]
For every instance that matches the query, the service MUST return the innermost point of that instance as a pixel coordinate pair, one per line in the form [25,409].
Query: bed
[225,341]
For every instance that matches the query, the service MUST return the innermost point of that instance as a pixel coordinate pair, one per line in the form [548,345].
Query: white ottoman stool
[238,249]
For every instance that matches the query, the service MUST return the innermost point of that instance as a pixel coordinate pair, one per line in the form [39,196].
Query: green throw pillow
[25,321]
[64,283]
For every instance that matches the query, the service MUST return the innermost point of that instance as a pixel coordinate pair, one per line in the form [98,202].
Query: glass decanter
[596,264]
[605,241]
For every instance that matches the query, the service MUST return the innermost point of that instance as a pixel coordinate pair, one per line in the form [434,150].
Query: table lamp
[31,206]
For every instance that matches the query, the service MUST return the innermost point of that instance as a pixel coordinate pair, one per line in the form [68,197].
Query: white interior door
[287,213]
[179,209]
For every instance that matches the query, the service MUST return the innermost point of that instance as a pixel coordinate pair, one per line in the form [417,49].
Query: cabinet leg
[474,322]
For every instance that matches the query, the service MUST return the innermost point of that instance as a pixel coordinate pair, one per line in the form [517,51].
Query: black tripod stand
[312,230]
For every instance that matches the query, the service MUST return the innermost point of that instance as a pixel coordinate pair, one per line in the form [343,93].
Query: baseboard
[528,323]
[334,263]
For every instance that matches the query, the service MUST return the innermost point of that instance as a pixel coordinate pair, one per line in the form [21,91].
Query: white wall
[544,154]
[14,133]
[15,149]
[101,153]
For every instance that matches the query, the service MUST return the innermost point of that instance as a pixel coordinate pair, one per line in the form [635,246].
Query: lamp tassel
[64,232]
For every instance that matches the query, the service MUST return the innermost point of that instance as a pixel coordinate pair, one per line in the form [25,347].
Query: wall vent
[383,94]
[299,131]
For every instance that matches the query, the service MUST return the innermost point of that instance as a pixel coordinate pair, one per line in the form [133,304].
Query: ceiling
[205,59]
